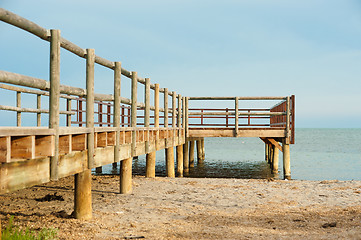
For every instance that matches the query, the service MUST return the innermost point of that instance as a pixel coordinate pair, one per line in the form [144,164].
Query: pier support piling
[203,149]
[286,160]
[180,161]
[83,196]
[275,159]
[186,157]
[191,154]
[126,176]
[150,165]
[199,151]
[169,163]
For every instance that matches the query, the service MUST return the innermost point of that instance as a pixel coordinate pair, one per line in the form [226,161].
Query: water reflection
[206,169]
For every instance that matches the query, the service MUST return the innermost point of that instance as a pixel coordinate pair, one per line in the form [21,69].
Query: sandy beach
[190,208]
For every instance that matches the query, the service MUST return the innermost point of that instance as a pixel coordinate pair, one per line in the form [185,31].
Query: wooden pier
[87,130]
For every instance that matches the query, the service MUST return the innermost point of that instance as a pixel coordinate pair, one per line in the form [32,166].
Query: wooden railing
[282,120]
[282,115]
[109,106]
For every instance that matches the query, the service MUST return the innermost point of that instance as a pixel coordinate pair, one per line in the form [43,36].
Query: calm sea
[319,154]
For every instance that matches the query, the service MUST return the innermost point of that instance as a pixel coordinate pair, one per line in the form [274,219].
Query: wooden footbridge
[86,130]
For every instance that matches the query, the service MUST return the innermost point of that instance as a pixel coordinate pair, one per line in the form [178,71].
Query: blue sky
[208,48]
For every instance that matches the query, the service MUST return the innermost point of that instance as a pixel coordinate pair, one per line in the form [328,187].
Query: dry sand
[188,208]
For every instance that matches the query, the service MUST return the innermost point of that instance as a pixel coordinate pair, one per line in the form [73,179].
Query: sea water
[318,154]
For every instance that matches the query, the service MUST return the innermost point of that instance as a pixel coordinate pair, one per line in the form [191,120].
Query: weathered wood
[174,109]
[286,160]
[156,113]
[24,174]
[116,117]
[90,57]
[111,138]
[191,153]
[275,160]
[271,141]
[288,120]
[199,151]
[239,113]
[102,139]
[170,162]
[44,146]
[147,109]
[271,132]
[82,195]
[186,156]
[65,144]
[20,22]
[25,131]
[240,98]
[38,106]
[150,165]
[180,161]
[22,148]
[30,110]
[126,176]
[18,105]
[5,149]
[187,117]
[68,108]
[79,142]
[165,107]
[103,156]
[134,111]
[236,114]
[72,163]
[54,97]
[73,130]
[203,149]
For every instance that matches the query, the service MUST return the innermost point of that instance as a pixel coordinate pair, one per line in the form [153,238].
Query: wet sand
[194,208]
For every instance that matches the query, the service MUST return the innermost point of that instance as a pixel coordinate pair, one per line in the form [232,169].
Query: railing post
[156,114]
[150,157]
[185,146]
[147,109]
[169,151]
[18,104]
[179,123]
[179,145]
[90,60]
[38,106]
[187,117]
[174,116]
[100,113]
[288,120]
[109,114]
[54,98]
[134,111]
[117,103]
[249,118]
[123,116]
[68,116]
[80,112]
[236,115]
[226,117]
[100,121]
[165,107]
